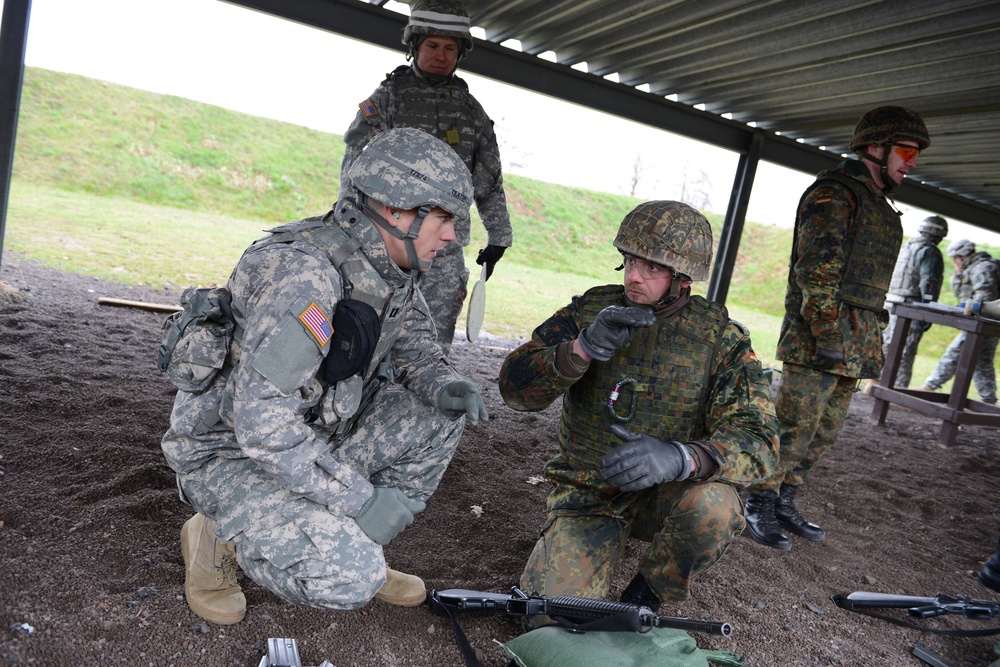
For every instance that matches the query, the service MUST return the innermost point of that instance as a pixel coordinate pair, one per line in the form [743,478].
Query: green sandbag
[553,646]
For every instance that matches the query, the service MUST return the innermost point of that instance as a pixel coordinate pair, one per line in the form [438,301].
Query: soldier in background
[847,236]
[917,278]
[974,282]
[428,96]
[332,414]
[665,411]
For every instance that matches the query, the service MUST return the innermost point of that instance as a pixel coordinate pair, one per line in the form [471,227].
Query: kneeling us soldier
[665,411]
[304,457]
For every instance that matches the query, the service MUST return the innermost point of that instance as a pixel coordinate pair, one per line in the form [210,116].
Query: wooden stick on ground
[145,305]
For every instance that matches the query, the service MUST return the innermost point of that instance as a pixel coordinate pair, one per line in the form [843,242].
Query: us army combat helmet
[887,124]
[669,233]
[934,225]
[408,169]
[438,17]
[961,248]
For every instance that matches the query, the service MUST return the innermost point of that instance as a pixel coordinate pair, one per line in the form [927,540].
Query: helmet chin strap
[883,167]
[406,237]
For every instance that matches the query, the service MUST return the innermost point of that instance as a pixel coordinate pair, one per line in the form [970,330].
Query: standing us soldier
[428,96]
[847,235]
[325,419]
[665,409]
[976,280]
[917,278]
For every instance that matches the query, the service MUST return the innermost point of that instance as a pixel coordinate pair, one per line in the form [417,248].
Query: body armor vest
[869,241]
[906,274]
[661,380]
[362,281]
[443,111]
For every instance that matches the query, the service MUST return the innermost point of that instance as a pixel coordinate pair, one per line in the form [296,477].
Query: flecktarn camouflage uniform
[979,282]
[282,460]
[449,112]
[847,236]
[691,377]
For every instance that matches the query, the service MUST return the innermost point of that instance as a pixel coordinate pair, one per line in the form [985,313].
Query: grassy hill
[142,188]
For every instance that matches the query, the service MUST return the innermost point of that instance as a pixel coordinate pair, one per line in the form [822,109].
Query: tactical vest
[906,274]
[442,111]
[869,241]
[658,385]
[361,280]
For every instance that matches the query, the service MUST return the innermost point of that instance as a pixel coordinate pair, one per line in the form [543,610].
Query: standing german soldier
[665,410]
[847,236]
[428,96]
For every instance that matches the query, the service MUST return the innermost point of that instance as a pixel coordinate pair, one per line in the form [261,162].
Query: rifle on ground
[573,613]
[578,613]
[920,607]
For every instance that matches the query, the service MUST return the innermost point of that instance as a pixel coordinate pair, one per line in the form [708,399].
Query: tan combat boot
[210,573]
[402,590]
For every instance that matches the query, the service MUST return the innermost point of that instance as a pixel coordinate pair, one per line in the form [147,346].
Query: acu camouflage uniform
[449,112]
[916,278]
[281,459]
[846,236]
[979,282]
[691,377]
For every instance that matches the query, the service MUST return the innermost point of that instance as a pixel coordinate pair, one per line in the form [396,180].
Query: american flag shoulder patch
[317,323]
[368,108]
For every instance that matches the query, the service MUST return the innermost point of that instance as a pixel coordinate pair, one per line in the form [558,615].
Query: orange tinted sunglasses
[906,152]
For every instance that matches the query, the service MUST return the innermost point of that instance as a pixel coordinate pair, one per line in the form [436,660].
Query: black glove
[612,330]
[490,255]
[463,396]
[825,358]
[644,461]
[387,513]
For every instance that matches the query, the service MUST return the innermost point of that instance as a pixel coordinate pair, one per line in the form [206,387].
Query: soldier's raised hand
[613,329]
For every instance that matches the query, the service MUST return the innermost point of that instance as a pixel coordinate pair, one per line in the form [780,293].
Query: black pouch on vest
[356,330]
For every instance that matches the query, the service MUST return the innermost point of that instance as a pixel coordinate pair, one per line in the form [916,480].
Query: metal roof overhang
[741,29]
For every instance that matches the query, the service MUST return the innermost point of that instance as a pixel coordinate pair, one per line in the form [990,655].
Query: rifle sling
[468,652]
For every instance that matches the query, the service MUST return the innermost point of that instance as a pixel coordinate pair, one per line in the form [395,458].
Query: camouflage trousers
[984,376]
[445,287]
[913,336]
[811,406]
[688,525]
[301,550]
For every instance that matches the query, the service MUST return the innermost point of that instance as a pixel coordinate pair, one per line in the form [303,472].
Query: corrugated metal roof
[806,70]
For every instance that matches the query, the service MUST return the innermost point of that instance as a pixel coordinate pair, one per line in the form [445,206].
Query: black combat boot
[790,519]
[761,523]
[638,592]
[989,576]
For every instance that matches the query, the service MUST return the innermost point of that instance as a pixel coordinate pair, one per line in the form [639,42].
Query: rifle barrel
[708,627]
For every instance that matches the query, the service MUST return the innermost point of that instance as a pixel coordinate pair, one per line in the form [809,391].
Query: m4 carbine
[572,612]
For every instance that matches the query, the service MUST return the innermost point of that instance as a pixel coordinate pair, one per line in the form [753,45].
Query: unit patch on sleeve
[317,323]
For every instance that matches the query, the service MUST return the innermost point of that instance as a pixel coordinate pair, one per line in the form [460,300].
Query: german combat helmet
[887,124]
[934,225]
[408,169]
[669,233]
[438,17]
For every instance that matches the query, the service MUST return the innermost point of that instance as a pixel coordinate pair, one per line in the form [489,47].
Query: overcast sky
[223,54]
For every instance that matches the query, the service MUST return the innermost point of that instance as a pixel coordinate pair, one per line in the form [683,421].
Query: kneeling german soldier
[665,410]
[333,414]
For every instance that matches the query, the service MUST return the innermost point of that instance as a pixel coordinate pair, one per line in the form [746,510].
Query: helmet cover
[887,124]
[669,233]
[407,168]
